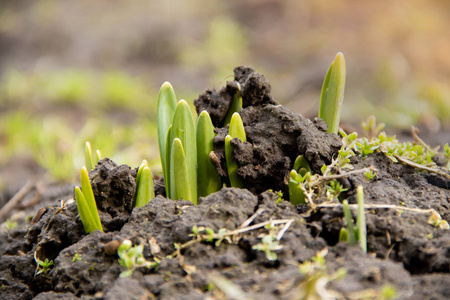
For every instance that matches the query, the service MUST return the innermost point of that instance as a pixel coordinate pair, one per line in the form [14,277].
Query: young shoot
[332,94]
[236,131]
[87,208]
[353,234]
[298,177]
[145,190]
[132,258]
[89,160]
[42,267]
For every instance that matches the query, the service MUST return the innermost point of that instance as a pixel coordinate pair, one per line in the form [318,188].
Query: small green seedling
[332,94]
[297,177]
[353,234]
[132,258]
[42,267]
[145,190]
[87,208]
[436,220]
[208,179]
[335,188]
[269,243]
[236,131]
[235,106]
[76,257]
[89,160]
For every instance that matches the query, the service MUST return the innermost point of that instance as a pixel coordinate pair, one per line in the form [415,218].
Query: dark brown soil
[404,251]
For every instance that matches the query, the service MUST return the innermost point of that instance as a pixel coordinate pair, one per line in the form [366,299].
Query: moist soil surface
[403,251]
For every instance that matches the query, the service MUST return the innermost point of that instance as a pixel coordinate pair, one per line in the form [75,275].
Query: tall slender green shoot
[208,180]
[167,103]
[87,208]
[353,234]
[180,181]
[235,106]
[145,190]
[332,94]
[88,157]
[183,130]
[236,131]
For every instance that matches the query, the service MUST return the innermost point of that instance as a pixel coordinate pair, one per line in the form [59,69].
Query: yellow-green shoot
[89,160]
[297,176]
[353,234]
[87,208]
[167,102]
[236,131]
[208,180]
[181,155]
[332,94]
[235,106]
[145,190]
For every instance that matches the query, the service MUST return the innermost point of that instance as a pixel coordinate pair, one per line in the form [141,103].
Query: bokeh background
[72,71]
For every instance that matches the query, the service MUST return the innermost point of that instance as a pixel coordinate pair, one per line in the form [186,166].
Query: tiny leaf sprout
[132,258]
[42,267]
[297,177]
[436,220]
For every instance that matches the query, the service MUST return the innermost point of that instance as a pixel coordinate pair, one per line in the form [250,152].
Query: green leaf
[179,174]
[83,210]
[88,156]
[361,219]
[343,235]
[144,190]
[332,94]
[183,128]
[235,106]
[167,101]
[89,196]
[351,239]
[139,173]
[232,165]
[98,155]
[208,179]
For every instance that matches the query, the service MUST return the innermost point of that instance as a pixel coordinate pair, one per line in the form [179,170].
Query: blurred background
[72,71]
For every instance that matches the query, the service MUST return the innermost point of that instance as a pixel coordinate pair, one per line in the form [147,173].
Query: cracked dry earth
[404,251]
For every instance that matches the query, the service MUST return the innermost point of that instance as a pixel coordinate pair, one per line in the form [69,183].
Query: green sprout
[167,102]
[132,258]
[87,208]
[42,267]
[208,179]
[236,131]
[299,175]
[332,94]
[269,243]
[88,156]
[436,220]
[76,257]
[353,234]
[145,190]
[335,188]
[235,106]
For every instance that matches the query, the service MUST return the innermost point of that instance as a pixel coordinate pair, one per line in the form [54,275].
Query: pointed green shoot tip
[361,219]
[179,175]
[89,196]
[98,155]
[209,180]
[351,238]
[144,190]
[183,128]
[301,162]
[332,94]
[235,105]
[237,128]
[88,156]
[86,217]
[167,102]
[232,165]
